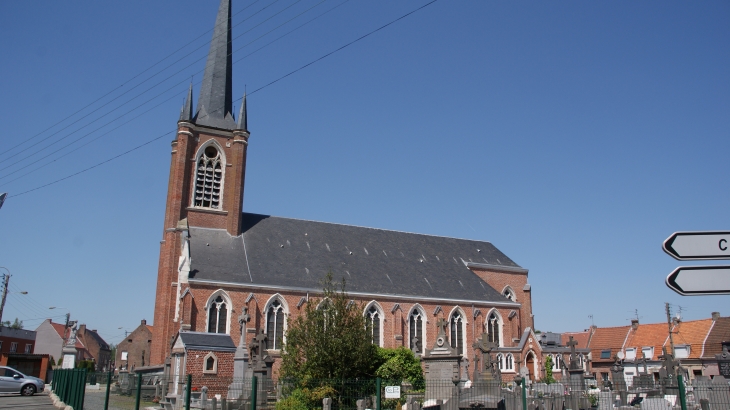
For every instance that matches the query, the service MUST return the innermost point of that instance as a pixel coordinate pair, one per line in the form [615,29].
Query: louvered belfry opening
[208,179]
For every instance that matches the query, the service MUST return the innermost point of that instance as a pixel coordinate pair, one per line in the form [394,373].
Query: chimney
[94,331]
[715,316]
[634,324]
[144,321]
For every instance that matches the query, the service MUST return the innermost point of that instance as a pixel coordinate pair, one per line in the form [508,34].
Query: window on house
[217,316]
[29,348]
[681,351]
[500,361]
[604,377]
[415,330]
[606,354]
[493,328]
[13,347]
[275,324]
[124,355]
[630,353]
[210,364]
[372,316]
[208,179]
[457,332]
[648,352]
[1,345]
[557,361]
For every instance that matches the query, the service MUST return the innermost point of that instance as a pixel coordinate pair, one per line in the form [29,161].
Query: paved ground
[40,401]
[94,400]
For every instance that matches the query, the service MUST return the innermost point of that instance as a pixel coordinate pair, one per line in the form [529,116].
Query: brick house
[16,340]
[696,342]
[216,259]
[134,350]
[96,346]
[50,337]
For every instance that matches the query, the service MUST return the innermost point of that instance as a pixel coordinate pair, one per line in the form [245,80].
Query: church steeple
[186,113]
[216,93]
[243,115]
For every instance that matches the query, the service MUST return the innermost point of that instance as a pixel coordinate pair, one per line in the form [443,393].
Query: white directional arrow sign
[700,280]
[698,245]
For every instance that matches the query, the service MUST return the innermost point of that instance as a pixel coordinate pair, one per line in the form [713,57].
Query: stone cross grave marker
[242,321]
[574,365]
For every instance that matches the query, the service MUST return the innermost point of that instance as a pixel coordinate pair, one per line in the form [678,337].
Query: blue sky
[575,136]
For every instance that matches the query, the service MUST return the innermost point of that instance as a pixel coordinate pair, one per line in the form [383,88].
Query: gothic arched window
[509,294]
[415,330]
[500,361]
[457,332]
[372,316]
[218,316]
[275,325]
[208,179]
[509,362]
[493,328]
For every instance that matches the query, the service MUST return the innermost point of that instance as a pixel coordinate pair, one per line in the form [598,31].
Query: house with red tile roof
[695,342]
[51,336]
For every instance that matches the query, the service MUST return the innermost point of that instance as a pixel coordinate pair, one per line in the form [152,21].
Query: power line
[38,168]
[126,82]
[237,100]
[25,158]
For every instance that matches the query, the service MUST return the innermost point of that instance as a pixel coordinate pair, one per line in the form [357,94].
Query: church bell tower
[207,174]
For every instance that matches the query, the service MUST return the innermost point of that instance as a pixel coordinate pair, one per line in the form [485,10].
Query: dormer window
[208,179]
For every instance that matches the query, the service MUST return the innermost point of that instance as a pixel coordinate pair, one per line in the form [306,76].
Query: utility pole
[6,279]
[669,324]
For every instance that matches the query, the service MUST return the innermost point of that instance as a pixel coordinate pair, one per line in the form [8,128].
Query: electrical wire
[37,167]
[126,82]
[237,100]
[25,158]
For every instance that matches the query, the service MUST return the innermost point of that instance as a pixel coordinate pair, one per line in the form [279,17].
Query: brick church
[216,259]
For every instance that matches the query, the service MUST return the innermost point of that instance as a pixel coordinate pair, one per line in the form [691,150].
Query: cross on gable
[441,323]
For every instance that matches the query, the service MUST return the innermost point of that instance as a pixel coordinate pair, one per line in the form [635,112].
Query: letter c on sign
[723,245]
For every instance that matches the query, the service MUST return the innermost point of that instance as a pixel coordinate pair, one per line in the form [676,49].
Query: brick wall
[217,383]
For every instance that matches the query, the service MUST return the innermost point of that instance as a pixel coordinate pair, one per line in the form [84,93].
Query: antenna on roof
[591,317]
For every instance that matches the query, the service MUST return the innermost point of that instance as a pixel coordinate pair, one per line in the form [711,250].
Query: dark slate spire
[216,102]
[186,112]
[242,115]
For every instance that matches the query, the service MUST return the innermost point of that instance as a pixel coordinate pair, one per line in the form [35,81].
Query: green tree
[17,324]
[330,340]
[549,370]
[399,365]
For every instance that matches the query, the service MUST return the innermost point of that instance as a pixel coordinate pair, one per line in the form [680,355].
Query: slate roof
[207,341]
[296,254]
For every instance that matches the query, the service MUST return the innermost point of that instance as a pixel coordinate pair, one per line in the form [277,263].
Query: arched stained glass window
[493,328]
[372,316]
[415,330]
[457,332]
[217,316]
[275,324]
[208,179]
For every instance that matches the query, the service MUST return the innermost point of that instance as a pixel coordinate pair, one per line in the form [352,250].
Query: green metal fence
[69,386]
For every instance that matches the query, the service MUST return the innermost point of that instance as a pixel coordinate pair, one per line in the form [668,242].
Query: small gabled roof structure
[219,342]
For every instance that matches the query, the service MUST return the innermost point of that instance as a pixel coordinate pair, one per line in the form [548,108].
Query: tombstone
[618,381]
[723,361]
[606,400]
[327,403]
[442,365]
[241,370]
[668,373]
[719,393]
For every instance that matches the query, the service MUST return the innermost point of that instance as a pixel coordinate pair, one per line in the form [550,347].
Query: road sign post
[699,280]
[687,246]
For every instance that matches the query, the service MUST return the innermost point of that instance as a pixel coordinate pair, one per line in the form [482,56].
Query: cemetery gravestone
[723,360]
[442,364]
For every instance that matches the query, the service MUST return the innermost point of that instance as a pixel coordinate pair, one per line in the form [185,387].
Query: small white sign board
[68,361]
[392,392]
